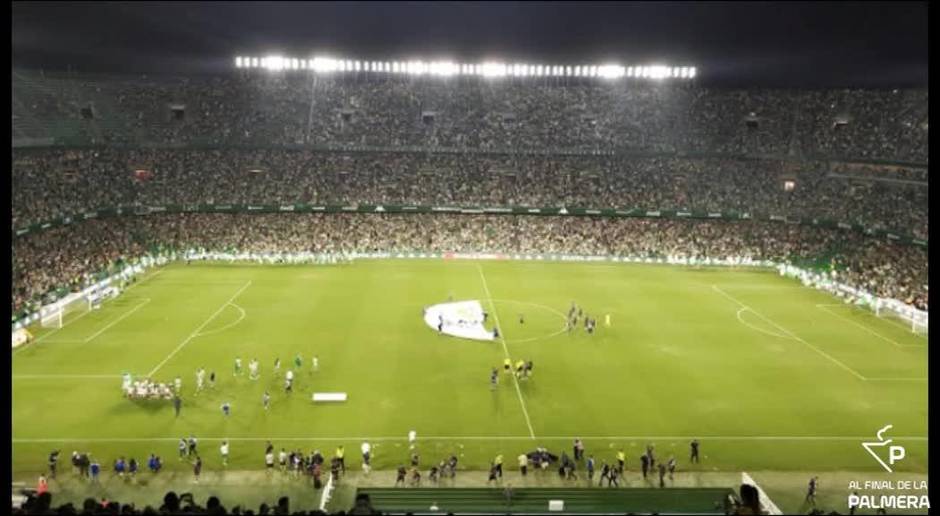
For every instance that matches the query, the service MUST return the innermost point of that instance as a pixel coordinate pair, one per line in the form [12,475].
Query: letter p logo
[895,453]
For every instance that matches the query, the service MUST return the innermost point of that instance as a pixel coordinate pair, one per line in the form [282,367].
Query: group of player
[576,313]
[254,373]
[522,369]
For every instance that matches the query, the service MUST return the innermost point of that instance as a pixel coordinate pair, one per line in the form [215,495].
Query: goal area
[69,307]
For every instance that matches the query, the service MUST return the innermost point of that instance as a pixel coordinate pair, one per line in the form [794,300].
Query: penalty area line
[53,332]
[789,333]
[502,339]
[195,333]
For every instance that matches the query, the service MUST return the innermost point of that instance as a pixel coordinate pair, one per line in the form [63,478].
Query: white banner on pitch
[462,319]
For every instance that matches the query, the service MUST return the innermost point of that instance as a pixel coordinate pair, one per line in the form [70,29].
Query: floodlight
[238,62]
[494,69]
[692,73]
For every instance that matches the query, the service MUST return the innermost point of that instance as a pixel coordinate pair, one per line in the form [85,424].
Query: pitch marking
[58,376]
[119,319]
[482,438]
[227,326]
[502,339]
[550,309]
[894,323]
[43,337]
[866,328]
[787,332]
[755,328]
[195,333]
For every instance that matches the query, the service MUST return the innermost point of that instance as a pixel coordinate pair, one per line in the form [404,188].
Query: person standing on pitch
[621,460]
[224,451]
[811,491]
[298,361]
[177,403]
[340,453]
[671,466]
[494,379]
[523,463]
[578,449]
[498,464]
[590,469]
[238,366]
[53,461]
[366,456]
[197,469]
[662,475]
[266,400]
[644,464]
[289,381]
[649,453]
[605,471]
[200,379]
[316,363]
[694,455]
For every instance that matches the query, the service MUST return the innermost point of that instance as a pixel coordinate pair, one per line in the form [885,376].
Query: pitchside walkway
[701,500]
[251,488]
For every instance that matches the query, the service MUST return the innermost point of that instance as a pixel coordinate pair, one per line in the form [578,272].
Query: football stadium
[311,284]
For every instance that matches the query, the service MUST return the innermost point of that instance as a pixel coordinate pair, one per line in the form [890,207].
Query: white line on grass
[59,376]
[755,328]
[734,438]
[896,379]
[502,339]
[197,330]
[227,326]
[787,332]
[885,319]
[119,319]
[869,330]
[43,337]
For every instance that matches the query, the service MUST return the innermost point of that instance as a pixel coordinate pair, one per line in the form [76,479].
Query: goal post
[54,315]
[916,320]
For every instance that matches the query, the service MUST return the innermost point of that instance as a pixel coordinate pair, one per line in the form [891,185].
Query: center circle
[537,318]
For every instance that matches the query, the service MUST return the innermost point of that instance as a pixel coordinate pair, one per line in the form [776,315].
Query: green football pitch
[766,374]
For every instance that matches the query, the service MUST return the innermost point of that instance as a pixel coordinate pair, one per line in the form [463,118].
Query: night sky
[772,44]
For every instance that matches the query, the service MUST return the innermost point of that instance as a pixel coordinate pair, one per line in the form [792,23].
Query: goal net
[54,315]
[914,319]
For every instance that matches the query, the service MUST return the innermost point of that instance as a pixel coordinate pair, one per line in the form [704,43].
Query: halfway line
[502,339]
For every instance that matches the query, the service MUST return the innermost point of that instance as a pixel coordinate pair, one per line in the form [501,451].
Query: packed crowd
[173,504]
[67,255]
[55,183]
[543,113]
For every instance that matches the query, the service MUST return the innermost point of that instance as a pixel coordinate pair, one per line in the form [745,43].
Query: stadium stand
[850,165]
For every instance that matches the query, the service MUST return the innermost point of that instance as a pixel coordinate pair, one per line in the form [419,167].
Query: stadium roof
[781,44]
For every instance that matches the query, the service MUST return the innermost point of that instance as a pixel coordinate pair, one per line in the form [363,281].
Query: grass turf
[745,361]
